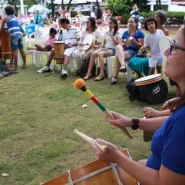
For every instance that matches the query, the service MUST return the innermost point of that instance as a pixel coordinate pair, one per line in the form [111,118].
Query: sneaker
[64,73]
[44,70]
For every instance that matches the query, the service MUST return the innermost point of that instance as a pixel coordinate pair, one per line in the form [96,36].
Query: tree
[158,4]
[123,7]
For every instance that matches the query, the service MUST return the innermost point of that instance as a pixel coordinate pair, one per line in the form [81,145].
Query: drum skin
[88,42]
[5,42]
[104,178]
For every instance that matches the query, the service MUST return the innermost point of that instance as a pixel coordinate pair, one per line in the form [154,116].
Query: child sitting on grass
[49,44]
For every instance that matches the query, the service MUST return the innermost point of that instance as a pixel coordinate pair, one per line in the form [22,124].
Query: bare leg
[152,70]
[91,63]
[50,57]
[121,55]
[23,54]
[159,69]
[101,56]
[38,47]
[15,57]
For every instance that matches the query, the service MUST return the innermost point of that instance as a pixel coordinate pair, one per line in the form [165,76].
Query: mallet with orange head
[80,84]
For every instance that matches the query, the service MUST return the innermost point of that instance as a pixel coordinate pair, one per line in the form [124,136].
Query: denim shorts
[16,41]
[131,53]
[113,51]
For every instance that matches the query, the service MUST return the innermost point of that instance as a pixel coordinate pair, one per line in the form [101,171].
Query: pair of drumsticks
[80,84]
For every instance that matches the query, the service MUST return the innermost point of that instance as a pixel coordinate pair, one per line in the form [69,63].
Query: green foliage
[31,3]
[169,14]
[123,7]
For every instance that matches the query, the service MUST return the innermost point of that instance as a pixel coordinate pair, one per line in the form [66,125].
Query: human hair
[163,16]
[63,21]
[114,20]
[135,20]
[150,19]
[9,10]
[52,30]
[93,23]
[181,101]
[135,5]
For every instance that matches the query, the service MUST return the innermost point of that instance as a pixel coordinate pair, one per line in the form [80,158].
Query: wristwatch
[135,123]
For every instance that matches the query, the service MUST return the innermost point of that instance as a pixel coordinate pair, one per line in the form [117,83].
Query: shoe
[114,80]
[64,73]
[24,67]
[123,69]
[44,70]
[99,78]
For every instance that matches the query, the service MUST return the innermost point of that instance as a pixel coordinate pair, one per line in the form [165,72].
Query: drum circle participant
[70,36]
[124,53]
[112,37]
[166,164]
[79,55]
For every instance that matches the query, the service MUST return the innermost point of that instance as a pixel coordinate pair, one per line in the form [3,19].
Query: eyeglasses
[173,46]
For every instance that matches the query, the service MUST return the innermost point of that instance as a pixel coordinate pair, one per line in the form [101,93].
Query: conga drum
[5,43]
[153,89]
[59,51]
[95,173]
[88,42]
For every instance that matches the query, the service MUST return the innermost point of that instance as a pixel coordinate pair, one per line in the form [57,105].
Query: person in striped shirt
[16,37]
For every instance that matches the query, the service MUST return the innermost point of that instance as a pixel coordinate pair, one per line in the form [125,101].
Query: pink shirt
[50,41]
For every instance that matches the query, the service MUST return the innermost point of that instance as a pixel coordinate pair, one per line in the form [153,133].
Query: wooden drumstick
[89,139]
[80,84]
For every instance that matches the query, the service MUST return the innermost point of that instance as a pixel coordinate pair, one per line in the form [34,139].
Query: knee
[119,47]
[100,55]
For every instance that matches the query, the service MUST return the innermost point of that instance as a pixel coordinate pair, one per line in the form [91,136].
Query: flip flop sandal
[114,80]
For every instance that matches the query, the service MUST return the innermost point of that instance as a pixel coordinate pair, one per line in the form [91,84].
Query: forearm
[116,42]
[137,44]
[143,174]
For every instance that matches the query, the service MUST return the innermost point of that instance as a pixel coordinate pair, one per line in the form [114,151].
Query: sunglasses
[173,46]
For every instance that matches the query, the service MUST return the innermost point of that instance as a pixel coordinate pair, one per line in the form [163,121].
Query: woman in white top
[112,38]
[78,54]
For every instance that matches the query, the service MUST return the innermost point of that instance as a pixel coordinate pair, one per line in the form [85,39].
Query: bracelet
[135,124]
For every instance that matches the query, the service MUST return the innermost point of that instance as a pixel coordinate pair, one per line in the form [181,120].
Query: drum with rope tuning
[95,173]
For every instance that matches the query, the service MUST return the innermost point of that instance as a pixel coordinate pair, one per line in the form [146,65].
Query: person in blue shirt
[38,19]
[166,164]
[132,40]
[16,37]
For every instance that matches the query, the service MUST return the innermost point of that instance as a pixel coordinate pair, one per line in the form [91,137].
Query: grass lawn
[38,115]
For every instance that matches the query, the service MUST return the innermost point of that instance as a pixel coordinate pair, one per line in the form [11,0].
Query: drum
[5,43]
[153,89]
[88,42]
[95,173]
[59,51]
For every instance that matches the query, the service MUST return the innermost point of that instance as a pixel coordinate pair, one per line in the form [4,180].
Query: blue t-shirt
[168,144]
[138,35]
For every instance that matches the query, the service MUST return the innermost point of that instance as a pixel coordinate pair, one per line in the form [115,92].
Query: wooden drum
[5,43]
[95,173]
[59,51]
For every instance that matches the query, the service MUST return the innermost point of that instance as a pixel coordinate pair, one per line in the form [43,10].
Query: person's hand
[121,44]
[110,155]
[120,120]
[148,55]
[69,46]
[150,112]
[80,44]
[111,33]
[96,46]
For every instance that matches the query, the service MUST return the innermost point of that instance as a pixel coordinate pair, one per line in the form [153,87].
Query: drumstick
[80,84]
[89,139]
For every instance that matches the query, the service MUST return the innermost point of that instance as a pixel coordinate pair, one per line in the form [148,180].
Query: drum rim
[147,82]
[154,76]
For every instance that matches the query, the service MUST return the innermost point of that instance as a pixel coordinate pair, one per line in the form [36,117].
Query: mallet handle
[89,139]
[108,113]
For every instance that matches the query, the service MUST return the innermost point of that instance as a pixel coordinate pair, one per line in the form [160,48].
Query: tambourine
[128,42]
[88,42]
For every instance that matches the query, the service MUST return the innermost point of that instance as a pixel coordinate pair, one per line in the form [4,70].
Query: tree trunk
[69,4]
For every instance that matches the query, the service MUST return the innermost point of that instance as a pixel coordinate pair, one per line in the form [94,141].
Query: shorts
[131,52]
[113,51]
[69,51]
[156,60]
[16,41]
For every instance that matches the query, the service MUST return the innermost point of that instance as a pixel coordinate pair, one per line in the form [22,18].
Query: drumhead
[88,41]
[164,43]
[148,79]
[58,42]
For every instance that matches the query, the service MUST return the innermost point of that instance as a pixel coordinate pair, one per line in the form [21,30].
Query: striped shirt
[72,35]
[13,25]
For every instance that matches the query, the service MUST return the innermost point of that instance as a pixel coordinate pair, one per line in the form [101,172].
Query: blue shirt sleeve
[173,153]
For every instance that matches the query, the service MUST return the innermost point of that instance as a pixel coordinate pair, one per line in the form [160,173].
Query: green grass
[38,115]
